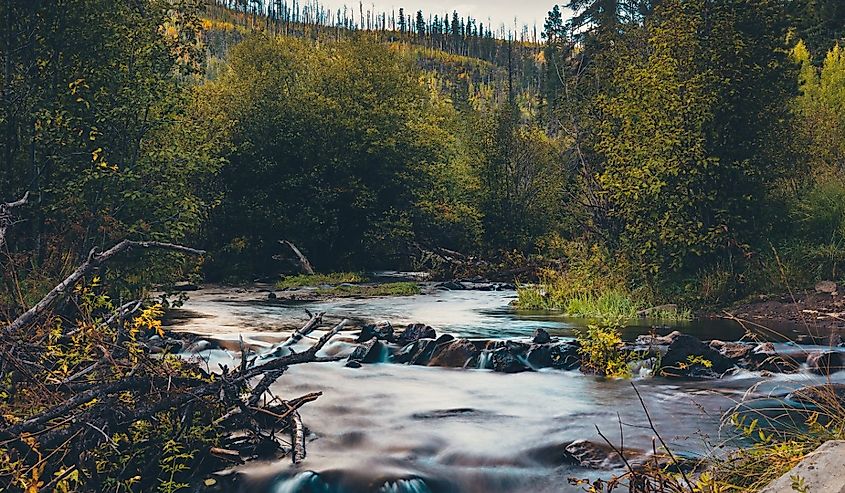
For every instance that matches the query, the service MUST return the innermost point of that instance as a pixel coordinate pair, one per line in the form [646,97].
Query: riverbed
[395,428]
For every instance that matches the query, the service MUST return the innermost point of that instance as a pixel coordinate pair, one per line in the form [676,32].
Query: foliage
[306,280]
[600,347]
[108,149]
[159,454]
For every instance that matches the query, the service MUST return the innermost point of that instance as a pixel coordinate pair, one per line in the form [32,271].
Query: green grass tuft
[371,291]
[315,280]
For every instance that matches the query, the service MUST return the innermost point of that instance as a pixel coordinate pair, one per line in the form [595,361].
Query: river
[392,428]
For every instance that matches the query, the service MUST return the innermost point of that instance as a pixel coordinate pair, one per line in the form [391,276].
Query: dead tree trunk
[6,218]
[303,260]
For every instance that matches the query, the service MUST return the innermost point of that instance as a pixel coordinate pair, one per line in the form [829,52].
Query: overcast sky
[499,11]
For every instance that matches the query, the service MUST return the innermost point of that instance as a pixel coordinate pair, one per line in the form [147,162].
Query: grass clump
[371,291]
[315,280]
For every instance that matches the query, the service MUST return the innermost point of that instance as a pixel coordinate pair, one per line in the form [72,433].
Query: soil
[806,313]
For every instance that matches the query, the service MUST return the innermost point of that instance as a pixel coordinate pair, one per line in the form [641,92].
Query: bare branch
[6,215]
[93,261]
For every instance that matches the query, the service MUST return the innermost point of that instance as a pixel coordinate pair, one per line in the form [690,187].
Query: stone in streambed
[764,357]
[560,356]
[735,351]
[382,331]
[504,360]
[593,455]
[826,362]
[827,395]
[368,352]
[541,337]
[458,353]
[415,332]
[682,349]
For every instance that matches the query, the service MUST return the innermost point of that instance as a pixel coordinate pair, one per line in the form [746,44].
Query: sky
[499,11]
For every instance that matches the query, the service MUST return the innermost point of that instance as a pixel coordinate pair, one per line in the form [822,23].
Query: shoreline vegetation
[642,158]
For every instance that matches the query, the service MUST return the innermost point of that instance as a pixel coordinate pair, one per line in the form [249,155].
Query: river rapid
[393,428]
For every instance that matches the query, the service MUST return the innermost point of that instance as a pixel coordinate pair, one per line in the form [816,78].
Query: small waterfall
[304,482]
[414,485]
[485,360]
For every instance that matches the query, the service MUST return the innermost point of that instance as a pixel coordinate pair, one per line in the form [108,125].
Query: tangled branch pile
[93,396]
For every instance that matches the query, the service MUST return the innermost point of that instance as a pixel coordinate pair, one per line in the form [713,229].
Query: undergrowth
[315,280]
[371,291]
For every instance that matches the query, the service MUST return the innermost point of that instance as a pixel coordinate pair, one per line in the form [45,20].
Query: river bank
[391,427]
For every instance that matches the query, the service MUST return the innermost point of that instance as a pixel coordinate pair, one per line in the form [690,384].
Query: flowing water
[394,428]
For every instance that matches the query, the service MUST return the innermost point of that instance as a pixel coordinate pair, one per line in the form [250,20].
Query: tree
[686,137]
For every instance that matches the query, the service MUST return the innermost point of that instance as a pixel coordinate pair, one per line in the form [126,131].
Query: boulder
[415,332]
[764,358]
[830,394]
[504,360]
[683,347]
[826,362]
[271,296]
[732,350]
[592,455]
[541,337]
[560,356]
[382,331]
[416,353]
[368,352]
[452,286]
[656,340]
[458,353]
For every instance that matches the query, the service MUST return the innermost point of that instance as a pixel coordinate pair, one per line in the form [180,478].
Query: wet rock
[454,354]
[764,358]
[368,352]
[271,296]
[735,351]
[826,362]
[199,346]
[415,332]
[504,360]
[560,356]
[353,364]
[541,337]
[826,287]
[595,456]
[416,353]
[684,348]
[656,340]
[830,394]
[382,331]
[452,286]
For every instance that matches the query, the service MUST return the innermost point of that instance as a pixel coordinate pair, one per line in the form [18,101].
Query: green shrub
[601,351]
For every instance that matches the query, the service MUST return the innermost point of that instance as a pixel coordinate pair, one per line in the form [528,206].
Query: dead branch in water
[70,413]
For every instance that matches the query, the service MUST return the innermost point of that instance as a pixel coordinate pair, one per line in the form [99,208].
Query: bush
[601,351]
[313,280]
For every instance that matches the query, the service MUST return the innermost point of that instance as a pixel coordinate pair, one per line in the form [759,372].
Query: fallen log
[93,261]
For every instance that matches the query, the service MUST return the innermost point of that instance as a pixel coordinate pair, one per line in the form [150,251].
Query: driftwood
[303,260]
[93,261]
[117,384]
[6,217]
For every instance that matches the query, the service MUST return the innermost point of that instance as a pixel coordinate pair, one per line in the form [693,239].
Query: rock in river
[685,348]
[369,352]
[541,337]
[415,332]
[455,354]
[825,362]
